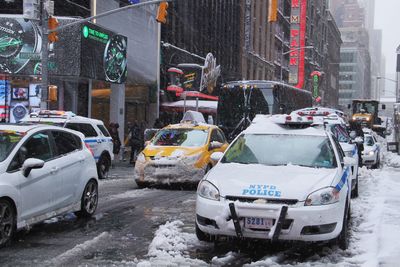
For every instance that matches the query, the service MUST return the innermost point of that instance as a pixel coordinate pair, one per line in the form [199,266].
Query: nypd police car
[278,180]
[96,134]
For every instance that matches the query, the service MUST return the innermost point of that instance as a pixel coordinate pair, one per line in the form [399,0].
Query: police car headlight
[371,153]
[208,190]
[324,196]
[141,158]
[192,159]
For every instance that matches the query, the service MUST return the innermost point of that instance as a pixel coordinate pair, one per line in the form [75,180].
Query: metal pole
[283,39]
[158,69]
[45,56]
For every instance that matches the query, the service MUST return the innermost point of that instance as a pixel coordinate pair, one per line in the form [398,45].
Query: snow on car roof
[20,127]
[267,124]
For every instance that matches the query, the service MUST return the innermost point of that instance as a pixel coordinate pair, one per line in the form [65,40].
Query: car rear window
[84,128]
[103,130]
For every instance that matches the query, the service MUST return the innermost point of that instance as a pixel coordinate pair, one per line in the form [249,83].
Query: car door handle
[54,170]
[99,141]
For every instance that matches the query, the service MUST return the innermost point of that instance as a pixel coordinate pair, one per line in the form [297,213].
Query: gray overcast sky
[386,18]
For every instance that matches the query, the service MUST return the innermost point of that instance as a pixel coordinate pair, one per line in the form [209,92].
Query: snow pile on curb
[392,160]
[169,247]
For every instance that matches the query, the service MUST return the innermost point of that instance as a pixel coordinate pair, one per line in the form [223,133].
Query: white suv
[45,171]
[96,134]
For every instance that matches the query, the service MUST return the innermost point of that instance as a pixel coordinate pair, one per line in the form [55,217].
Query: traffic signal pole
[45,56]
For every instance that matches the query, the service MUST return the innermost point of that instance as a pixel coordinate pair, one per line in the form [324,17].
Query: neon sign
[297,42]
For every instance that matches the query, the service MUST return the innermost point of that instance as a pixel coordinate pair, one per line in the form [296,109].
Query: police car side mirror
[31,164]
[216,156]
[348,161]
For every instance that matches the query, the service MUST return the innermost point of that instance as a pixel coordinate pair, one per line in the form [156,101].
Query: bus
[240,101]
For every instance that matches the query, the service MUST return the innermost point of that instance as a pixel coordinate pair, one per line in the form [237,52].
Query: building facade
[79,87]
[355,65]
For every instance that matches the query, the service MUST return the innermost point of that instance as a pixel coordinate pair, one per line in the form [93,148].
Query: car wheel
[343,238]
[8,222]
[89,200]
[201,235]
[354,192]
[103,166]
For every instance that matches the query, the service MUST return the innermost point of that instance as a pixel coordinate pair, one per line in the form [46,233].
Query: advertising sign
[21,46]
[297,42]
[103,54]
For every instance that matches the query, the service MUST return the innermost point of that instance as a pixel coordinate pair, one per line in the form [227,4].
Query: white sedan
[371,153]
[45,171]
[277,182]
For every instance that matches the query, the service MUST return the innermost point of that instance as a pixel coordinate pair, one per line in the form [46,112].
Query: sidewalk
[121,169]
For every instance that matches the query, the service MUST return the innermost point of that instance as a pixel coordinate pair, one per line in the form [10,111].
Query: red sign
[297,42]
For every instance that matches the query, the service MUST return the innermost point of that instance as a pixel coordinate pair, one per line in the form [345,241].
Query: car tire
[89,200]
[103,167]
[201,235]
[354,192]
[8,222]
[343,238]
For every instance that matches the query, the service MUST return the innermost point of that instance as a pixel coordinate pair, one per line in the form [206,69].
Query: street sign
[31,9]
[133,2]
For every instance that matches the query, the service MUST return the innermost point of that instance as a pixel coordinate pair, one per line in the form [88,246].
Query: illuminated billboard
[298,21]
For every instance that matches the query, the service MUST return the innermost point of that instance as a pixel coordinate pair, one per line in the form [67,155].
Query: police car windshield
[276,150]
[180,137]
[8,140]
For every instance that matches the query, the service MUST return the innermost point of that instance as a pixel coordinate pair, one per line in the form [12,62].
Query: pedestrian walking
[115,138]
[134,141]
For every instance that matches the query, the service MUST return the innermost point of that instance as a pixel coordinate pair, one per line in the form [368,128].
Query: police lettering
[261,190]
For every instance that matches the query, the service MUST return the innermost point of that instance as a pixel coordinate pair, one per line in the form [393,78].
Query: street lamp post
[377,88]
[290,51]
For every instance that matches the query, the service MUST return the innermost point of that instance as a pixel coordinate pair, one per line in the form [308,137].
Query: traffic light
[162,12]
[52,93]
[272,10]
[53,24]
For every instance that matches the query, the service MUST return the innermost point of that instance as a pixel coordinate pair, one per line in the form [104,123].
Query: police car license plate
[258,223]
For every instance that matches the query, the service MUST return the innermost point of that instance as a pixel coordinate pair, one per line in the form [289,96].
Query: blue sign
[134,2]
[261,190]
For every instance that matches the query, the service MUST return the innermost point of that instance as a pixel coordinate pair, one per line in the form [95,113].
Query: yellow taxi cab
[179,153]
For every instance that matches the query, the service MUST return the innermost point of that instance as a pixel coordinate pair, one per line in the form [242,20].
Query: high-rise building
[355,63]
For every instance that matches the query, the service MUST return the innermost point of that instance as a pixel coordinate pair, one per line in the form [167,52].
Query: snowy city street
[191,133]
[154,227]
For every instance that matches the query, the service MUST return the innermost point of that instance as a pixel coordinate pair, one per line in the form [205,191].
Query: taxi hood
[171,151]
[260,181]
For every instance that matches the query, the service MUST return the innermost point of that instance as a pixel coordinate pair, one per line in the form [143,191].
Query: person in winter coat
[135,140]
[115,137]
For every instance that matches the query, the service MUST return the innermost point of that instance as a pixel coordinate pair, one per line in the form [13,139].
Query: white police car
[277,181]
[96,134]
[371,154]
[45,171]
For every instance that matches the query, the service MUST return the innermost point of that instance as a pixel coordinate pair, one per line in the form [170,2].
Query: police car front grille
[268,200]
